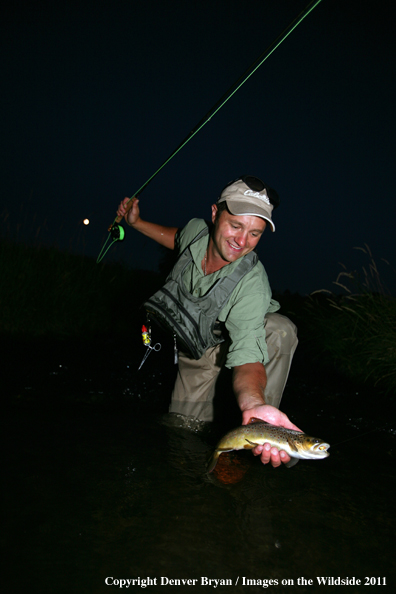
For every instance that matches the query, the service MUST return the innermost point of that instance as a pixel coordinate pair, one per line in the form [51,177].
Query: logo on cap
[263,197]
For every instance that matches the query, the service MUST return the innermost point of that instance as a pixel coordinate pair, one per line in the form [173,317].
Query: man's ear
[214,212]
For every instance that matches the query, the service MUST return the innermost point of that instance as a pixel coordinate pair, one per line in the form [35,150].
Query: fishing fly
[146,337]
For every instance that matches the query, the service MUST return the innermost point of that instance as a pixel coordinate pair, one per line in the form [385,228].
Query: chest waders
[192,320]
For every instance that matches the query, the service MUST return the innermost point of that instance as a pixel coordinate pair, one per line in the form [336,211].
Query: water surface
[98,488]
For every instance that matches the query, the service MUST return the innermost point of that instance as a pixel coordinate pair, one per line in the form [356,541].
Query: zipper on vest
[186,313]
[173,323]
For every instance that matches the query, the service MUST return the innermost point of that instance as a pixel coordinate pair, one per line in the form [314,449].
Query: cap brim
[249,210]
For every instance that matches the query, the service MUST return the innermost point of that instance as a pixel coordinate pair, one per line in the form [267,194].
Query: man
[222,259]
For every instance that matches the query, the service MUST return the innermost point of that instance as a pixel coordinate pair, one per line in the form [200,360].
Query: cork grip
[128,208]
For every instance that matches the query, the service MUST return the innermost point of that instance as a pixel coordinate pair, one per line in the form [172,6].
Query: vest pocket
[164,318]
[187,314]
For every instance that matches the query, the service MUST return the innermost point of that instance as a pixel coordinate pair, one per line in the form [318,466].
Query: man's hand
[271,415]
[130,210]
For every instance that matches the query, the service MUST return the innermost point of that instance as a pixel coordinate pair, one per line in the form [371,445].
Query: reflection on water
[107,490]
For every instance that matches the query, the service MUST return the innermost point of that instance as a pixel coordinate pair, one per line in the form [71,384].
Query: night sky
[96,95]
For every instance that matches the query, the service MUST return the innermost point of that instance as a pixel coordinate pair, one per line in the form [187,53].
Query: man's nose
[241,238]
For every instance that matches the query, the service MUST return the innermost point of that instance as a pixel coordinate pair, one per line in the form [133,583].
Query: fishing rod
[116,231]
[356,436]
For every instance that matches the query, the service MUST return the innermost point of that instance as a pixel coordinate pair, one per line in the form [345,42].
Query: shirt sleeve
[245,324]
[185,235]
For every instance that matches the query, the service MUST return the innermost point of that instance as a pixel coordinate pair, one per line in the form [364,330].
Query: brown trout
[258,432]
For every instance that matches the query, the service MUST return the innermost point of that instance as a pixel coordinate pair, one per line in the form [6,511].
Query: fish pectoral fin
[252,443]
[291,444]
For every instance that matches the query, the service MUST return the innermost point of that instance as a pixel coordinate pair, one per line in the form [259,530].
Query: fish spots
[294,443]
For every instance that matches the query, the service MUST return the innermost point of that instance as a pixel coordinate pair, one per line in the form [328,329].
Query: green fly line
[116,232]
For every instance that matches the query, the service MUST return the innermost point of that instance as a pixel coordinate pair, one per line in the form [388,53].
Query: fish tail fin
[213,461]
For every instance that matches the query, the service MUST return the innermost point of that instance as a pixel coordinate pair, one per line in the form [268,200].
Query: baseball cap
[248,195]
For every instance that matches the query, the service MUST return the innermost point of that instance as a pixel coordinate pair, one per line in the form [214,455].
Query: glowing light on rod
[86,221]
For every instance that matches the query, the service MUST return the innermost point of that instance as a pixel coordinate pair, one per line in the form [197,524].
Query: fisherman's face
[235,236]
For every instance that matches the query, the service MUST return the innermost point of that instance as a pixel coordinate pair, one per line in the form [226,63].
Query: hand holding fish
[249,383]
[271,415]
[257,432]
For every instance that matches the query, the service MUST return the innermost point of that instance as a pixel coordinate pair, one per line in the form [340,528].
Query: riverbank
[56,302]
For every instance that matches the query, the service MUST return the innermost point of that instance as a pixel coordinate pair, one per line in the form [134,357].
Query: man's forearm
[249,383]
[161,234]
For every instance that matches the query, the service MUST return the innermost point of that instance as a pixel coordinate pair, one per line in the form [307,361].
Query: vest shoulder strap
[223,287]
[185,257]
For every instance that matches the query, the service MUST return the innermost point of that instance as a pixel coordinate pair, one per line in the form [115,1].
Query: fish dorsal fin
[256,420]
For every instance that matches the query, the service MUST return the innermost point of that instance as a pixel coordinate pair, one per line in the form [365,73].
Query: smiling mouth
[234,247]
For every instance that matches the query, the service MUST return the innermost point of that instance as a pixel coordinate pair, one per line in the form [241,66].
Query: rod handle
[128,208]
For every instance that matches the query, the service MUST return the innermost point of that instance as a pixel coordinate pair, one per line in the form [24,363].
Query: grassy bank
[48,292]
[355,328]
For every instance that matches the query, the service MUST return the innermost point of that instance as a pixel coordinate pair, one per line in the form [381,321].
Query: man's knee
[281,333]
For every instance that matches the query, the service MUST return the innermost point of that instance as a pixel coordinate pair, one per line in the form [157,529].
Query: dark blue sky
[96,95]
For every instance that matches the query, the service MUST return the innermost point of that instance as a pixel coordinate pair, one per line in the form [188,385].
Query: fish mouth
[322,448]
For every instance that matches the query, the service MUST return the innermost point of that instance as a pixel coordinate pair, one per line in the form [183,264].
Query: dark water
[97,488]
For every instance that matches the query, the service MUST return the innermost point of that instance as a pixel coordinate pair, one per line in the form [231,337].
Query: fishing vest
[192,320]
